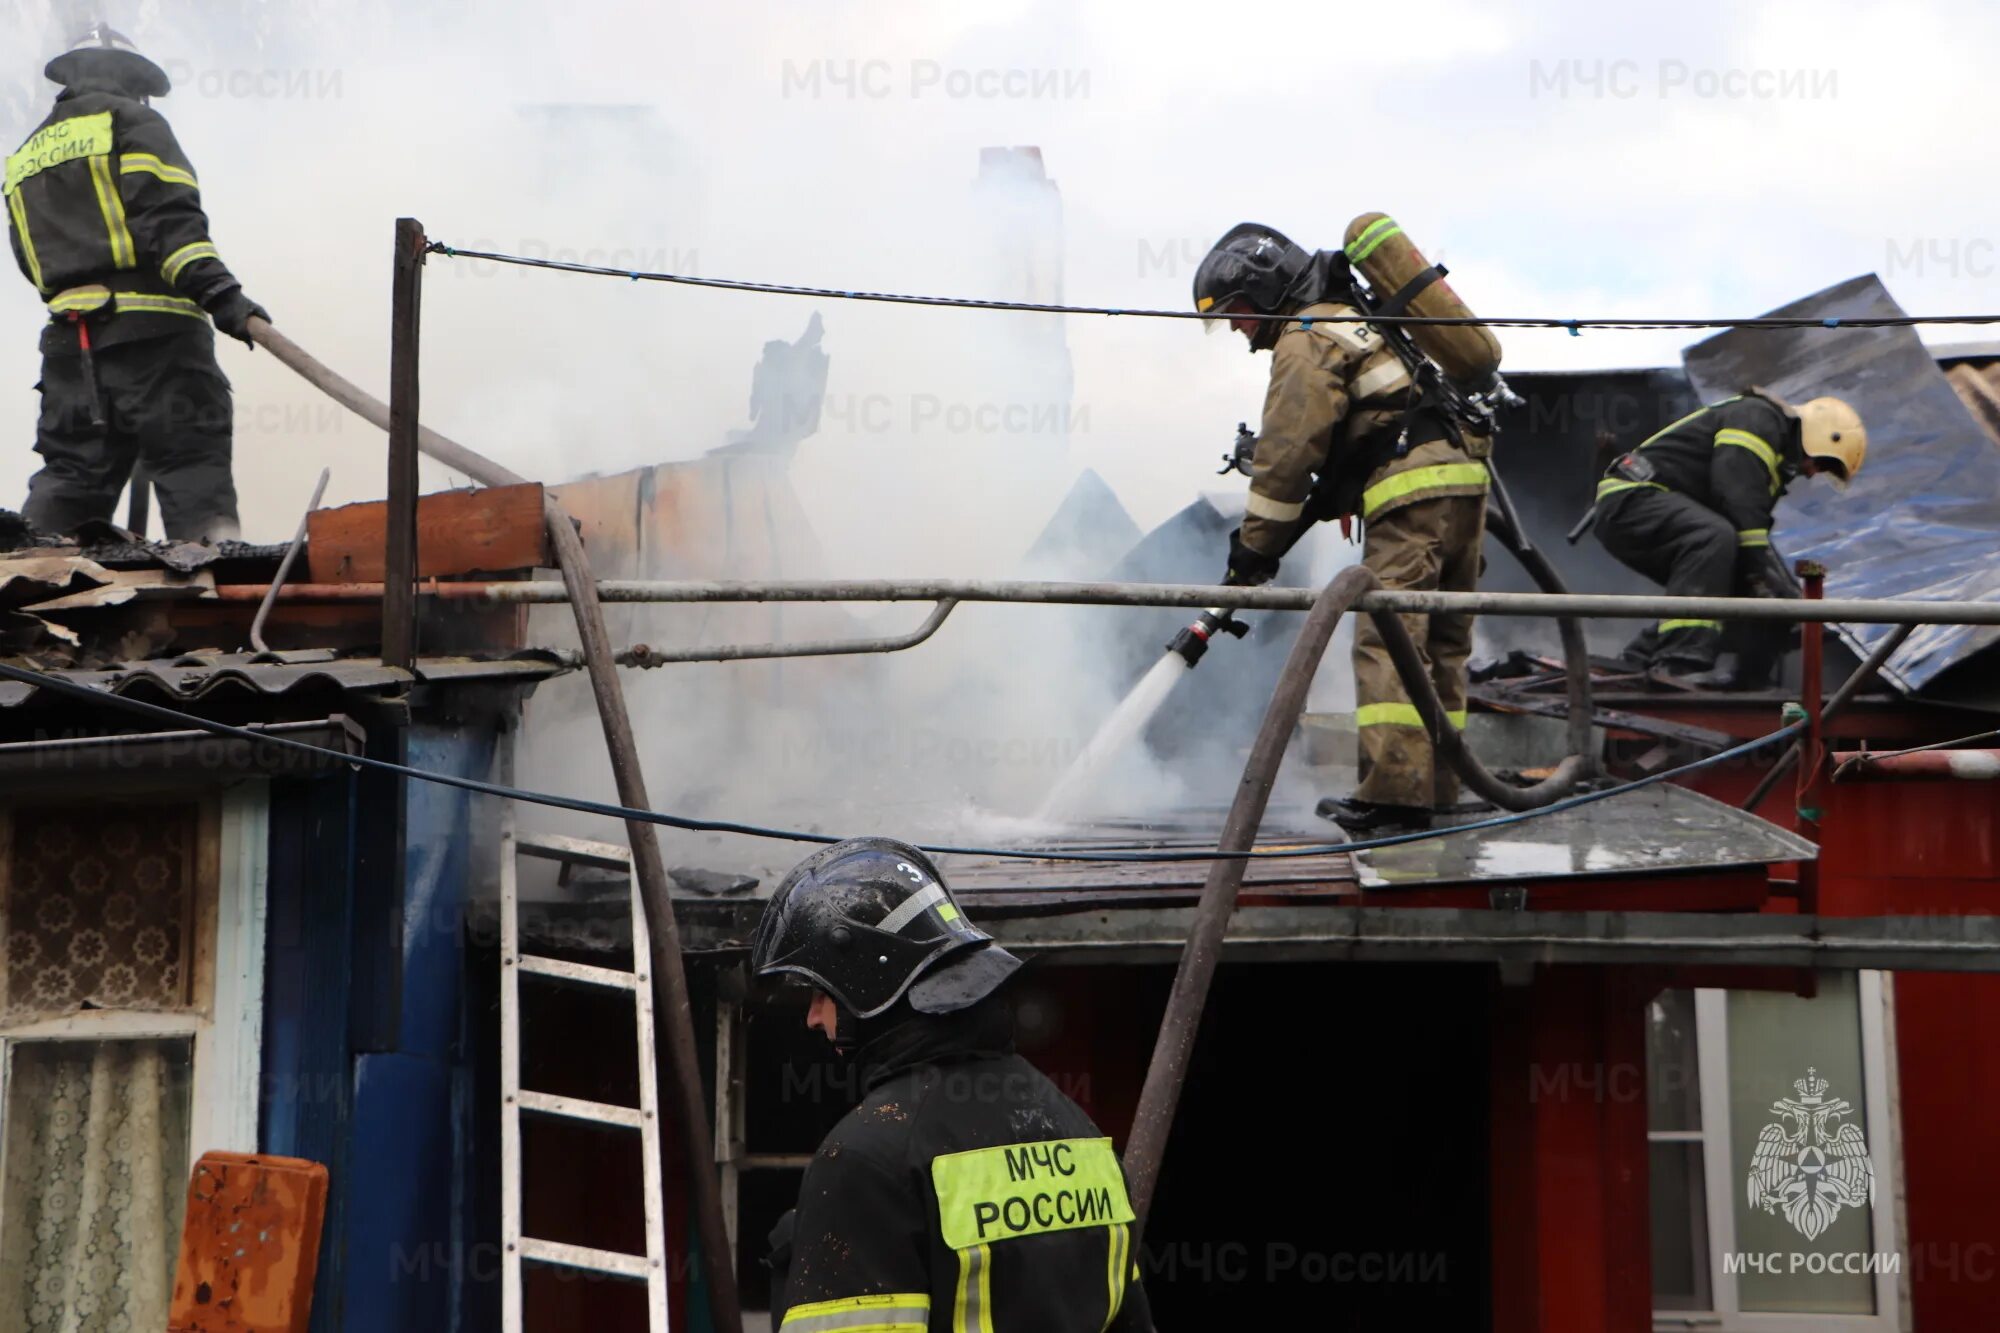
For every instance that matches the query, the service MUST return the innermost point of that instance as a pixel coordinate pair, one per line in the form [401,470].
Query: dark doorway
[1329,1166]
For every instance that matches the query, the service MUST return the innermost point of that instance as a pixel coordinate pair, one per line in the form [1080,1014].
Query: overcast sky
[1571,159]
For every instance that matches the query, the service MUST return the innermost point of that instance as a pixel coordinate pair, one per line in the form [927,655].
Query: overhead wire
[1573,326]
[185,720]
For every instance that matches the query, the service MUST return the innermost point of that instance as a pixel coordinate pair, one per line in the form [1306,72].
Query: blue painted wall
[365,1067]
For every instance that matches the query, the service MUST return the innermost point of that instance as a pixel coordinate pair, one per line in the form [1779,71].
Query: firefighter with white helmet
[1692,508]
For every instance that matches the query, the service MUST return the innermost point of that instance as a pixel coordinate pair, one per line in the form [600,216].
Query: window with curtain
[101,1008]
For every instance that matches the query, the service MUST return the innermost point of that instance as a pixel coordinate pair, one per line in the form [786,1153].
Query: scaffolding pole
[1832,610]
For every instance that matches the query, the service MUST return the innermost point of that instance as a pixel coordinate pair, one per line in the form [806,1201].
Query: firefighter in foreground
[1692,506]
[1347,432]
[106,221]
[966,1191]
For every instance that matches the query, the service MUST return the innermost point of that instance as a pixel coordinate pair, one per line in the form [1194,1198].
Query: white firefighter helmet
[1831,433]
[103,52]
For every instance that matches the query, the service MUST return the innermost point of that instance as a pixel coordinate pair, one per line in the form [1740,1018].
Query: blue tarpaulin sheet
[1922,521]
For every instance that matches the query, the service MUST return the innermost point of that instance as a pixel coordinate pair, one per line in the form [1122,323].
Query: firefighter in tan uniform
[1344,435]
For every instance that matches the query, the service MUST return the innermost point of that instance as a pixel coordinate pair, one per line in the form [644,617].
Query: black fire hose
[1503,522]
[1448,742]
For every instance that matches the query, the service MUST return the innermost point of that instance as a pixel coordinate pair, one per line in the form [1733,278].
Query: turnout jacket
[102,201]
[966,1194]
[1736,456]
[1334,407]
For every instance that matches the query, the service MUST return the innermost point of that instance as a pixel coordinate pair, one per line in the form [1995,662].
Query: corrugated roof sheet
[276,673]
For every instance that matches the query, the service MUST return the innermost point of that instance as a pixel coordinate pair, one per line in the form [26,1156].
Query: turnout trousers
[163,402]
[1423,546]
[1683,545]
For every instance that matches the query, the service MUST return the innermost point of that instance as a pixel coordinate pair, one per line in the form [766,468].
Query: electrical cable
[160,712]
[1574,326]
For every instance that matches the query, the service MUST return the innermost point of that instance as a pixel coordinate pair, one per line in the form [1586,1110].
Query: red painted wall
[1572,1251]
[1933,849]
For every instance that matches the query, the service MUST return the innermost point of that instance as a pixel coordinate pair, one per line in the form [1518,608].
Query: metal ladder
[644,1119]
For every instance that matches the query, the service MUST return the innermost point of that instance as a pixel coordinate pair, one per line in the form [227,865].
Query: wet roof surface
[1659,829]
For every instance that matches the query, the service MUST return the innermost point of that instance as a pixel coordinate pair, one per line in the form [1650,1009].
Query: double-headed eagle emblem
[1807,1165]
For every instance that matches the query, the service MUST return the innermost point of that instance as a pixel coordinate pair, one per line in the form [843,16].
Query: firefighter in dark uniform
[966,1194]
[106,221]
[1691,508]
[1340,439]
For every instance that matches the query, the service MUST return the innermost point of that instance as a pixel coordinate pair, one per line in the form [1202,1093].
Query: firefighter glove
[1763,573]
[231,311]
[1247,568]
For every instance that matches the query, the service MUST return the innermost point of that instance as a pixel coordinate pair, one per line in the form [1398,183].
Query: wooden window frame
[225,961]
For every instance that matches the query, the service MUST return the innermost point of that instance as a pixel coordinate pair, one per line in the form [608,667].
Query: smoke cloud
[839,144]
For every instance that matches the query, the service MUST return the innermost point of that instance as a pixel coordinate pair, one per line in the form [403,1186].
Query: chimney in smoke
[1019,210]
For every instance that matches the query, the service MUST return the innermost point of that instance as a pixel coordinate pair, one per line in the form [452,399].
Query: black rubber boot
[1364,818]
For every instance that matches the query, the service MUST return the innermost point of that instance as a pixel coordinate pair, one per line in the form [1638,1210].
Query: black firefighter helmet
[105,55]
[870,921]
[1264,268]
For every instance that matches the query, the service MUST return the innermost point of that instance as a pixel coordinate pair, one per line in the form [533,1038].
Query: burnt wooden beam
[399,600]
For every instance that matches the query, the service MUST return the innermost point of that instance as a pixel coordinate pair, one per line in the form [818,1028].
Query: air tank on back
[1378,250]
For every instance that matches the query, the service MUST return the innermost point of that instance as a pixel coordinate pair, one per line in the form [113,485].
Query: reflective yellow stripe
[80,298]
[123,253]
[901,1312]
[1263,506]
[20,212]
[1401,715]
[1669,626]
[1026,1189]
[1118,1244]
[69,140]
[134,163]
[1754,537]
[1757,445]
[972,1305]
[1388,715]
[171,267]
[1202,303]
[158,305]
[1417,479]
[1613,485]
[1674,426]
[1365,244]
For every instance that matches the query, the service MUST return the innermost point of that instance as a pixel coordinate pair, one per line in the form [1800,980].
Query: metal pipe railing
[1860,611]
[642,655]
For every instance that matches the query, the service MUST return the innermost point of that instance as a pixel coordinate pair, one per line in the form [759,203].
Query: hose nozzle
[1192,642]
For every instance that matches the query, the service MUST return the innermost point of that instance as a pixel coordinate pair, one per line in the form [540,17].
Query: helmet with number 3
[870,921]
